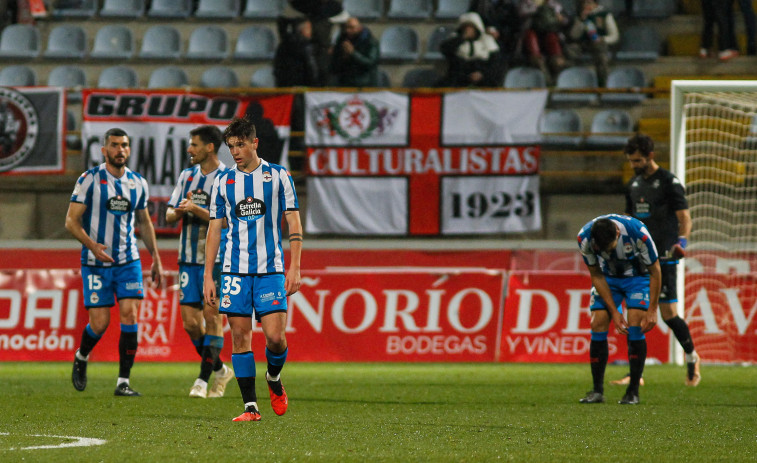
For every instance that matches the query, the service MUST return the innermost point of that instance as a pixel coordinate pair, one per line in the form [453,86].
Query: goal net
[714,152]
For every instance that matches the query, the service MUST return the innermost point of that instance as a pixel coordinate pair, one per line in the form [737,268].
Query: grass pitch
[381,412]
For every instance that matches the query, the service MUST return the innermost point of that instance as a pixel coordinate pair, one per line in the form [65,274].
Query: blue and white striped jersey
[634,252]
[109,218]
[253,204]
[194,230]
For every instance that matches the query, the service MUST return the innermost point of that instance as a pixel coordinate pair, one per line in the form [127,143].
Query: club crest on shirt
[267,177]
[118,205]
[94,298]
[132,184]
[226,301]
[250,209]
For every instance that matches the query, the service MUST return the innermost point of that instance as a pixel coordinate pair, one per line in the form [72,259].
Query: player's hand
[621,326]
[100,254]
[156,273]
[649,321]
[293,281]
[678,249]
[209,290]
[186,205]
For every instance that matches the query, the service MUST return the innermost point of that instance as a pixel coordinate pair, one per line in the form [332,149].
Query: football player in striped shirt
[190,201]
[624,266]
[254,197]
[105,201]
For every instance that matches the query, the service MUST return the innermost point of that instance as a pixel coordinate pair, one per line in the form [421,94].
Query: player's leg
[191,302]
[98,299]
[271,308]
[598,348]
[679,327]
[129,291]
[191,318]
[637,353]
[214,344]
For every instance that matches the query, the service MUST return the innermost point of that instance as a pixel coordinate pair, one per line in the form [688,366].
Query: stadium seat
[255,43]
[66,41]
[73,140]
[72,78]
[610,129]
[525,77]
[113,41]
[264,9]
[168,77]
[410,9]
[218,9]
[625,77]
[17,76]
[422,77]
[75,8]
[364,9]
[208,43]
[384,81]
[575,77]
[19,41]
[437,36]
[219,77]
[616,7]
[561,128]
[399,43]
[170,9]
[451,9]
[263,78]
[122,8]
[118,77]
[161,42]
[639,43]
[653,8]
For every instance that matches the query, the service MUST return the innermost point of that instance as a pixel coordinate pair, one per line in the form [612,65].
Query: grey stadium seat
[561,128]
[123,8]
[223,9]
[72,78]
[625,77]
[421,77]
[113,41]
[410,9]
[263,78]
[256,43]
[525,77]
[450,9]
[653,8]
[170,9]
[118,77]
[168,77]
[576,77]
[208,43]
[435,39]
[17,76]
[75,8]
[399,43]
[639,43]
[219,77]
[610,129]
[364,9]
[19,41]
[265,9]
[161,42]
[66,41]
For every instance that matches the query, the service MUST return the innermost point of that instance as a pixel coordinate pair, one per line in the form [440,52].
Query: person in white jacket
[473,56]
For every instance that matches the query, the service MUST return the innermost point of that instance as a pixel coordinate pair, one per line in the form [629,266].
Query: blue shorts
[101,283]
[191,277]
[241,295]
[634,290]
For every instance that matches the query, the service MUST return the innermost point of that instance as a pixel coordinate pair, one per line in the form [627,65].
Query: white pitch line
[77,442]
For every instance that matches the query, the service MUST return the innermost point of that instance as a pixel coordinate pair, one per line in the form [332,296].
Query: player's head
[116,148]
[243,145]
[204,141]
[639,150]
[604,234]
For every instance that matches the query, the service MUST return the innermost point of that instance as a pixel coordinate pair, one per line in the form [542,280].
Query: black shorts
[669,289]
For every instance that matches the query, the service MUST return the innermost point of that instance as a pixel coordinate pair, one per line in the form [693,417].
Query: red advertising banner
[426,315]
[547,319]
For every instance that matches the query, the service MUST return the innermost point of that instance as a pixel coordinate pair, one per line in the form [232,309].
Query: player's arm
[73,225]
[684,223]
[293,279]
[603,289]
[147,231]
[212,243]
[173,215]
[187,205]
[655,283]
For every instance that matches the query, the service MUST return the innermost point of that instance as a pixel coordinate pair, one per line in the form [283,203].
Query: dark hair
[114,132]
[240,127]
[209,134]
[641,143]
[603,233]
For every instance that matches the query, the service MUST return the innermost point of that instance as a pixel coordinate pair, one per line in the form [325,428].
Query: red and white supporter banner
[547,319]
[423,164]
[158,124]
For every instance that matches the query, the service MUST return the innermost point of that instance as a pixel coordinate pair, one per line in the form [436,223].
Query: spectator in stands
[473,57]
[354,62]
[501,20]
[750,24]
[543,22]
[322,15]
[593,31]
[294,63]
[720,13]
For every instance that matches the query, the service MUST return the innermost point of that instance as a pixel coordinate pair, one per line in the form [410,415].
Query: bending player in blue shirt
[622,260]
[254,198]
